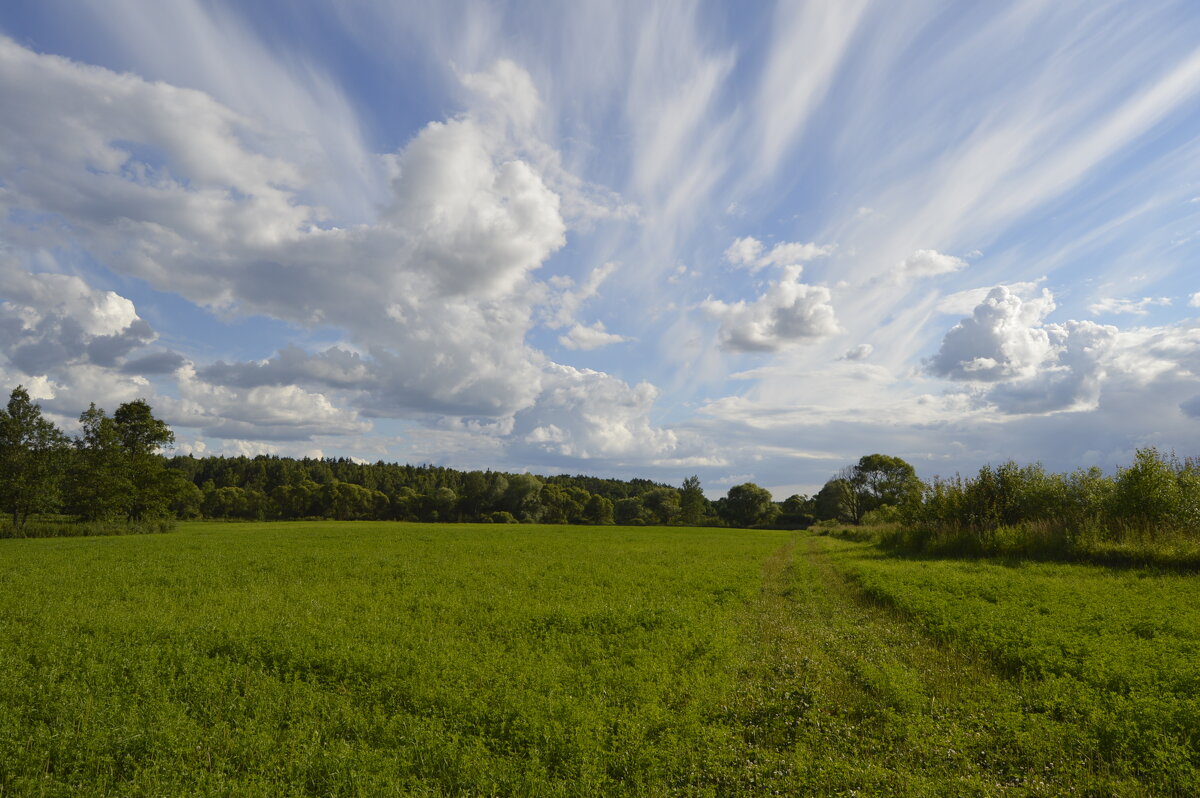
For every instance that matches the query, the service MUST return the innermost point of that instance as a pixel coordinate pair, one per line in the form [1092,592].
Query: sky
[746,241]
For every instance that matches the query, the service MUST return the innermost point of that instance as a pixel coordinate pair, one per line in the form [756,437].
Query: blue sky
[745,241]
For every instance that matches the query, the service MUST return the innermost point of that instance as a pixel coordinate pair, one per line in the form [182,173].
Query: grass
[1111,655]
[370,658]
[418,659]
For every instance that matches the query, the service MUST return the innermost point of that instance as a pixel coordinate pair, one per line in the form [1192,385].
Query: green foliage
[693,506]
[662,505]
[116,471]
[598,510]
[832,502]
[32,459]
[51,527]
[748,505]
[142,436]
[99,483]
[875,481]
[629,511]
[1149,491]
[1148,512]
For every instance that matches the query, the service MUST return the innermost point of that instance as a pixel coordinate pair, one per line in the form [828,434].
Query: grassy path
[844,696]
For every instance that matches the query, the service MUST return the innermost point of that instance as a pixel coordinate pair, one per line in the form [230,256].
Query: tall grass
[1148,512]
[70,528]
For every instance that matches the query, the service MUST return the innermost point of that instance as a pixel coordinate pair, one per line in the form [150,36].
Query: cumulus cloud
[49,321]
[1194,300]
[590,414]
[74,386]
[265,412]
[788,312]
[475,226]
[962,303]
[1138,307]
[434,298]
[1002,339]
[1032,366]
[593,337]
[1071,381]
[747,253]
[928,263]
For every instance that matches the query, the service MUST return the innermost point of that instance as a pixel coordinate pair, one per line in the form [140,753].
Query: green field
[385,658]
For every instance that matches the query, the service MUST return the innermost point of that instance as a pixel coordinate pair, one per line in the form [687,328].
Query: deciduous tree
[747,505]
[32,459]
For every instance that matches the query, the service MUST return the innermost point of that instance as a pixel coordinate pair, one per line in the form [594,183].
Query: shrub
[1023,510]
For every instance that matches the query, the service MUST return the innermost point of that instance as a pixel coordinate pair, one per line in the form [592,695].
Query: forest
[113,472]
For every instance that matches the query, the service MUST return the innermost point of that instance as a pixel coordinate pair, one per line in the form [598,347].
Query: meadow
[377,658]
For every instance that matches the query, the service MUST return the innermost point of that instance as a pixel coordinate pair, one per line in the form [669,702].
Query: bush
[75,529]
[1014,510]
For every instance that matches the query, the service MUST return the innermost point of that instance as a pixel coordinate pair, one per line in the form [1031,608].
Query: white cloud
[264,412]
[747,252]
[1002,339]
[1139,307]
[1194,300]
[744,251]
[561,309]
[435,297]
[1071,382]
[588,414]
[860,352]
[593,337]
[1033,367]
[334,368]
[733,479]
[962,303]
[928,263]
[788,312]
[809,44]
[476,224]
[50,321]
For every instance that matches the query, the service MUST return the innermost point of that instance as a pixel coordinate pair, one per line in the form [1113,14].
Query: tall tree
[878,480]
[662,504]
[33,455]
[599,510]
[98,484]
[832,501]
[691,501]
[142,436]
[747,505]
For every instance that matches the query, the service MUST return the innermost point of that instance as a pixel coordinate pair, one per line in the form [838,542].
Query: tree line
[114,471]
[1148,511]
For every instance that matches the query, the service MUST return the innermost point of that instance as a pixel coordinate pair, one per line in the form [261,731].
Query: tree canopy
[31,459]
